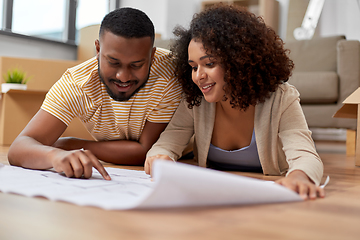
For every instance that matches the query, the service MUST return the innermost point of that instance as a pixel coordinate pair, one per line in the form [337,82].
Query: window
[39,18]
[58,20]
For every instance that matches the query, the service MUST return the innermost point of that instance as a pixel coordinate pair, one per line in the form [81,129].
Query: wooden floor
[337,216]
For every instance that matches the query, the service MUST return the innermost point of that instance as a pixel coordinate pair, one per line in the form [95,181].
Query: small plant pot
[5,87]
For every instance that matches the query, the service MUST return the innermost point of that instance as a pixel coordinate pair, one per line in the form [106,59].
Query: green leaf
[16,75]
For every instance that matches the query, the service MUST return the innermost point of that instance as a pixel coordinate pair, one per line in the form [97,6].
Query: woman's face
[207,73]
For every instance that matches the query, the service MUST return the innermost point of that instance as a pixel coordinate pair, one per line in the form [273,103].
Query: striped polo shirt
[80,93]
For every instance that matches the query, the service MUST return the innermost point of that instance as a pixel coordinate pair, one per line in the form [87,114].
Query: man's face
[124,64]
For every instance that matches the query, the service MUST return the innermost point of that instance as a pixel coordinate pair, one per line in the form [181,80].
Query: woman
[245,117]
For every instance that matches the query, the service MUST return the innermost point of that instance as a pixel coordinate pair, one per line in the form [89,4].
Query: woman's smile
[205,88]
[207,73]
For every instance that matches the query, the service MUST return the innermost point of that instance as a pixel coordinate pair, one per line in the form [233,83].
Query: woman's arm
[305,166]
[175,138]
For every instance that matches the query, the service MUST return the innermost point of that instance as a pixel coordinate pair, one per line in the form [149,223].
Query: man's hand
[299,182]
[77,163]
[150,160]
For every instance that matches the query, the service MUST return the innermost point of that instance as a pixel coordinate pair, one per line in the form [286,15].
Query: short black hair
[129,23]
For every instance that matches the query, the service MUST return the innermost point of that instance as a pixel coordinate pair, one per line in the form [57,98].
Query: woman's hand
[149,161]
[299,182]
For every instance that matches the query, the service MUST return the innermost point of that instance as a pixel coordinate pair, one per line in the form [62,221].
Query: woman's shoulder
[285,93]
[204,109]
[288,90]
[281,98]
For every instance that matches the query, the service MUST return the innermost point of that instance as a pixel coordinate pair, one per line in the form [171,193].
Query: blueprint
[173,185]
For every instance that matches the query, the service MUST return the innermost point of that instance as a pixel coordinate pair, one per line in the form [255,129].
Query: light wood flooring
[337,216]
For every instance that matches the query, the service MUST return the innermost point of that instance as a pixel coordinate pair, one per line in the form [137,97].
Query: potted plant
[14,79]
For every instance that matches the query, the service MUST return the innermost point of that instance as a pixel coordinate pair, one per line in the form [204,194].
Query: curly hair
[252,54]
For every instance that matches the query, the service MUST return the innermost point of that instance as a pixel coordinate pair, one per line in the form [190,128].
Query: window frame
[69,33]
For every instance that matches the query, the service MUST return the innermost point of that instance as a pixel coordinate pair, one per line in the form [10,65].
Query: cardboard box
[43,73]
[17,107]
[86,47]
[350,109]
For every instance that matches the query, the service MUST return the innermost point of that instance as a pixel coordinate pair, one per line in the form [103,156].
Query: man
[125,96]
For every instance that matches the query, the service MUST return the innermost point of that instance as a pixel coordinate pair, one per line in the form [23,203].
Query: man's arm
[33,149]
[125,152]
[33,145]
[38,145]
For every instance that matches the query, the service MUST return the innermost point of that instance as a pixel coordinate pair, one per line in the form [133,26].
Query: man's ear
[153,53]
[97,46]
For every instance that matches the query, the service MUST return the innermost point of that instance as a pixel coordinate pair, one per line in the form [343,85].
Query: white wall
[283,14]
[166,14]
[155,9]
[180,12]
[340,17]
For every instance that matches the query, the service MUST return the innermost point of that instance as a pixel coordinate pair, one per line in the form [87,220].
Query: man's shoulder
[162,68]
[82,73]
[162,60]
[161,54]
[81,79]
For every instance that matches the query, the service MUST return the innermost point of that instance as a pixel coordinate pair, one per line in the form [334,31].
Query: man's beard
[120,96]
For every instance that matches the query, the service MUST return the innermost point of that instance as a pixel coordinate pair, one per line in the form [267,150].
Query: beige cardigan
[282,136]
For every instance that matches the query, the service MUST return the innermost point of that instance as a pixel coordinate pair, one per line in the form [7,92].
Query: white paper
[175,185]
